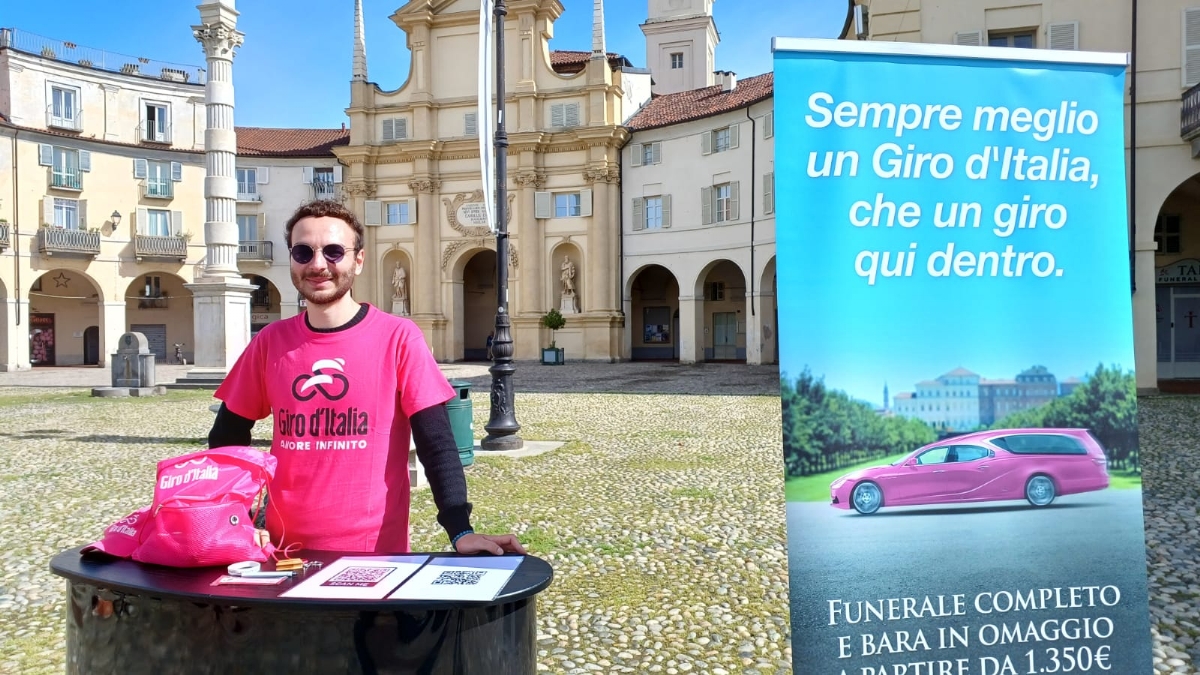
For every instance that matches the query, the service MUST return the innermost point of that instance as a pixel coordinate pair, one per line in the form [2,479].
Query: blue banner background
[903,330]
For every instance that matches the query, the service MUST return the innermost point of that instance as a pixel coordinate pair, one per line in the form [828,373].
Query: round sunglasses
[333,253]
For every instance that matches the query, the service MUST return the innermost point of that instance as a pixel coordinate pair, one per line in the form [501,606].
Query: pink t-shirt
[341,403]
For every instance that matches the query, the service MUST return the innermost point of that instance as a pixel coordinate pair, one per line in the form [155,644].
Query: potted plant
[553,355]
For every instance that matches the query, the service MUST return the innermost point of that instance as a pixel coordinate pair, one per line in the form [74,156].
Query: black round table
[131,618]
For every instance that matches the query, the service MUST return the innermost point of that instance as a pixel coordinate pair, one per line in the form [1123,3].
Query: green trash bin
[461,421]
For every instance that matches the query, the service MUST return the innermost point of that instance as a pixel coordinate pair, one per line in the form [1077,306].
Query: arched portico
[158,306]
[1177,283]
[652,326]
[719,313]
[65,306]
[473,291]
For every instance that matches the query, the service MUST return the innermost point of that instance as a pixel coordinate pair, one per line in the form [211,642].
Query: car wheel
[1039,490]
[867,498]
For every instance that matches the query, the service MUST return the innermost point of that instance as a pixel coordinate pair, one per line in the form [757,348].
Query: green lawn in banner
[815,488]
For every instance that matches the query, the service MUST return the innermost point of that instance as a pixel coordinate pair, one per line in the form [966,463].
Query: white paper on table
[466,578]
[357,578]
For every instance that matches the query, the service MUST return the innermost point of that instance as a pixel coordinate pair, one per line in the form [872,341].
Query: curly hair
[325,208]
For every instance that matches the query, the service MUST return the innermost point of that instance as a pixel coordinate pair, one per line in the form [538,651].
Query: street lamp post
[502,426]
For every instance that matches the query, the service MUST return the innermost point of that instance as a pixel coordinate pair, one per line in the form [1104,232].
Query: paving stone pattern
[663,515]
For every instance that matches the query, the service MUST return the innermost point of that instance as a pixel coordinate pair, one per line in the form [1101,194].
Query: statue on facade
[568,304]
[400,291]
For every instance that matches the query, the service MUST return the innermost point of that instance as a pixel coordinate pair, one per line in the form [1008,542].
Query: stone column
[754,335]
[112,327]
[426,271]
[530,299]
[601,261]
[221,298]
[219,38]
[14,342]
[691,329]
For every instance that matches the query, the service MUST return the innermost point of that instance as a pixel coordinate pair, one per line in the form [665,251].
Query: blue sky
[294,68]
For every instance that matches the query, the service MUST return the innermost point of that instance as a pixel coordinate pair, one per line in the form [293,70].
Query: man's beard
[342,283]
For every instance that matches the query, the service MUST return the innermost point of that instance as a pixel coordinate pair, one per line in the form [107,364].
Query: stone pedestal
[222,325]
[399,307]
[568,304]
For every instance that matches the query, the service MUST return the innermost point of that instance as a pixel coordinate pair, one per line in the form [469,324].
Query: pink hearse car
[1000,464]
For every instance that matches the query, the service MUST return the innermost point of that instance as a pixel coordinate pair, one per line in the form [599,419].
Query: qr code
[362,577]
[458,578]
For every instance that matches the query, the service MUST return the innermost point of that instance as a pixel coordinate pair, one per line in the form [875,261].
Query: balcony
[159,247]
[61,241]
[68,179]
[325,190]
[1189,118]
[68,119]
[256,251]
[248,192]
[149,132]
[152,302]
[4,236]
[98,59]
[159,189]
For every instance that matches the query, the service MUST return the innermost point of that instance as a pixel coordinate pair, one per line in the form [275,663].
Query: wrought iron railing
[70,179]
[148,132]
[88,57]
[256,250]
[65,118]
[1189,114]
[53,240]
[324,190]
[157,246]
[160,189]
[4,241]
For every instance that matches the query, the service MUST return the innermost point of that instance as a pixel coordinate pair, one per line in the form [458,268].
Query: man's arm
[438,453]
[229,428]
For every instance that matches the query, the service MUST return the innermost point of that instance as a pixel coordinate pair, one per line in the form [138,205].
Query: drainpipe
[1133,151]
[753,175]
[16,232]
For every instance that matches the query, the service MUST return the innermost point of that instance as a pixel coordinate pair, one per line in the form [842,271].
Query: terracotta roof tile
[569,62]
[695,104]
[269,142]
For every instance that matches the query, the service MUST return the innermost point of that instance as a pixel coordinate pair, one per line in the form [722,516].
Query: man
[344,382]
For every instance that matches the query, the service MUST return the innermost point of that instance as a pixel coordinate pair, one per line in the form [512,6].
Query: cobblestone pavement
[663,516]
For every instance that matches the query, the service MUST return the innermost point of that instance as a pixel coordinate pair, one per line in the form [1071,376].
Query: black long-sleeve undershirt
[436,451]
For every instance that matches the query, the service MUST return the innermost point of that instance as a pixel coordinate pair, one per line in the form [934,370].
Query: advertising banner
[956,357]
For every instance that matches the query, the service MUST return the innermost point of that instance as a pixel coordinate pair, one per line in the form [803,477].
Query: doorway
[41,339]
[91,346]
[725,336]
[1178,324]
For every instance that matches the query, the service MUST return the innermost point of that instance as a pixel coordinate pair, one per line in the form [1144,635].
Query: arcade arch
[64,309]
[159,307]
[1177,282]
[653,293]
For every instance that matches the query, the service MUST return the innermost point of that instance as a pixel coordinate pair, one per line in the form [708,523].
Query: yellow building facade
[412,173]
[101,201]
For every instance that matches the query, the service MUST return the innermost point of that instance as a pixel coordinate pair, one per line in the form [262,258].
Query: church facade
[412,173]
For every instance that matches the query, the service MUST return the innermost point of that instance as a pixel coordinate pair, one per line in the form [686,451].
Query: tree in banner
[826,430]
[1106,405]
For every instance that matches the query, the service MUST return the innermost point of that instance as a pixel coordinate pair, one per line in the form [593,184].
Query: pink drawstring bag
[200,516]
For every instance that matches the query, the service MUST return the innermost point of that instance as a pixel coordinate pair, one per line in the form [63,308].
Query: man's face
[321,281]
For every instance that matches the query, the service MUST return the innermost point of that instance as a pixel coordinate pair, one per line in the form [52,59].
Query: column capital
[359,189]
[534,179]
[219,40]
[425,184]
[602,174]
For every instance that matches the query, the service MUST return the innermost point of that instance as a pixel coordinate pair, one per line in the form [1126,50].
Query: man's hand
[495,544]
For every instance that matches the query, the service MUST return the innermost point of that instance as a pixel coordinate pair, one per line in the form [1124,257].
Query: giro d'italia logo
[326,379]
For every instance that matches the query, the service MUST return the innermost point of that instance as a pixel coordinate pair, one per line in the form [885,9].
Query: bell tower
[681,44]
